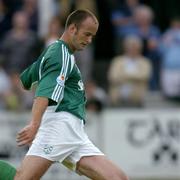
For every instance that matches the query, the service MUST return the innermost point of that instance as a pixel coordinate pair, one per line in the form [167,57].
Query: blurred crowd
[141,57]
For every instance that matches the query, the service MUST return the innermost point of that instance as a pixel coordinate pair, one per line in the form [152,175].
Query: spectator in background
[5,19]
[121,16]
[55,30]
[18,51]
[143,27]
[170,49]
[12,96]
[150,34]
[19,44]
[31,9]
[85,60]
[129,75]
[47,9]
[24,99]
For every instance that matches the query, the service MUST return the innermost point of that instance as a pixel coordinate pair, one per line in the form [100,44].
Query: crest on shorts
[47,149]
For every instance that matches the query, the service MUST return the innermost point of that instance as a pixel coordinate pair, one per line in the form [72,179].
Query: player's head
[81,26]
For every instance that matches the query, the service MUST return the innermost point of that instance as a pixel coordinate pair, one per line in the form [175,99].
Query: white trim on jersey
[58,92]
[72,62]
[40,67]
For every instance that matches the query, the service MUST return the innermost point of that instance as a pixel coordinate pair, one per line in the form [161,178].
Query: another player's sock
[7,172]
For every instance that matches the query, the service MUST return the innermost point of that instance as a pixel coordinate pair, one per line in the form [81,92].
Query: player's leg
[90,161]
[32,168]
[99,168]
[6,171]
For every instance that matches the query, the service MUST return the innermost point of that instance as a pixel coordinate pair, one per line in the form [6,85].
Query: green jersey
[58,79]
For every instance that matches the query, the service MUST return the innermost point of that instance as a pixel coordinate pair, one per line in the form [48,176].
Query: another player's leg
[6,171]
[99,168]
[32,168]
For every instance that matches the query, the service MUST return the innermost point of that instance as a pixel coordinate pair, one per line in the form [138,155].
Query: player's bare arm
[27,134]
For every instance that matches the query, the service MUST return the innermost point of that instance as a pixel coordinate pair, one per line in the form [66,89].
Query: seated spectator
[31,9]
[170,49]
[129,75]
[143,27]
[19,44]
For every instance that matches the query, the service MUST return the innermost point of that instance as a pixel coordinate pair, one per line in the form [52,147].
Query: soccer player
[56,127]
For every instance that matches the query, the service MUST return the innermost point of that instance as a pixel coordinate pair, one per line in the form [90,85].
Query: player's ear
[72,28]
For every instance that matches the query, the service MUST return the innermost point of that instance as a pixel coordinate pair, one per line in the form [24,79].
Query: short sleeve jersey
[58,79]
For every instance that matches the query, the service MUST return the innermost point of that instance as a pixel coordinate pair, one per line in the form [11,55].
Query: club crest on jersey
[60,80]
[81,85]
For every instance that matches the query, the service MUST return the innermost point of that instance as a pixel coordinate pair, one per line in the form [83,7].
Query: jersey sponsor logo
[81,85]
[60,80]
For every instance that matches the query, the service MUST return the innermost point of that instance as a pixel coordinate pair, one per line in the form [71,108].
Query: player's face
[83,34]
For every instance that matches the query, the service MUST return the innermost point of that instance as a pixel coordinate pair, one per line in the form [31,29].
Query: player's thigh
[99,168]
[32,168]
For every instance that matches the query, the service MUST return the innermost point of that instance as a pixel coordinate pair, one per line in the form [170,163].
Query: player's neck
[66,39]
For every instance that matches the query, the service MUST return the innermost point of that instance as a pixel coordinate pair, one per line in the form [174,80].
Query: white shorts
[61,138]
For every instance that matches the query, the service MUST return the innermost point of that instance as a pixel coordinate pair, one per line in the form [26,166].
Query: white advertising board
[144,143]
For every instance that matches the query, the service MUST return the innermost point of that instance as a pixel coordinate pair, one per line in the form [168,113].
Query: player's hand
[26,135]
